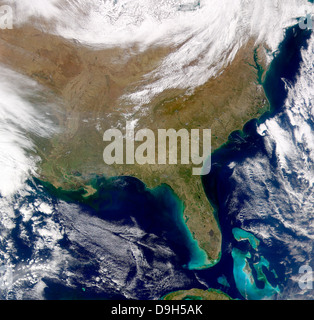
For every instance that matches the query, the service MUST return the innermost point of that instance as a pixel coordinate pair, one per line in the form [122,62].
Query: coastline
[198,260]
[172,209]
[239,142]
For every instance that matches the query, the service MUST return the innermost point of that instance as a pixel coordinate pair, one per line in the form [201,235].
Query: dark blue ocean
[266,263]
[129,242]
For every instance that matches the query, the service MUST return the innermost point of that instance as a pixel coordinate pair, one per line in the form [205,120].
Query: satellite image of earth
[74,226]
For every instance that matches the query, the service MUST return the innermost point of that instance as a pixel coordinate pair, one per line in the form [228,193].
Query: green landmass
[197,294]
[88,84]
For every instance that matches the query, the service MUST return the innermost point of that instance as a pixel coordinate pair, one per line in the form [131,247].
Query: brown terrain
[90,83]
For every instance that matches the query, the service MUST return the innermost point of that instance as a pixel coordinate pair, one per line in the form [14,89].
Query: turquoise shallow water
[241,235]
[245,281]
[246,268]
[132,238]
[251,266]
[158,211]
[129,242]
[198,258]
